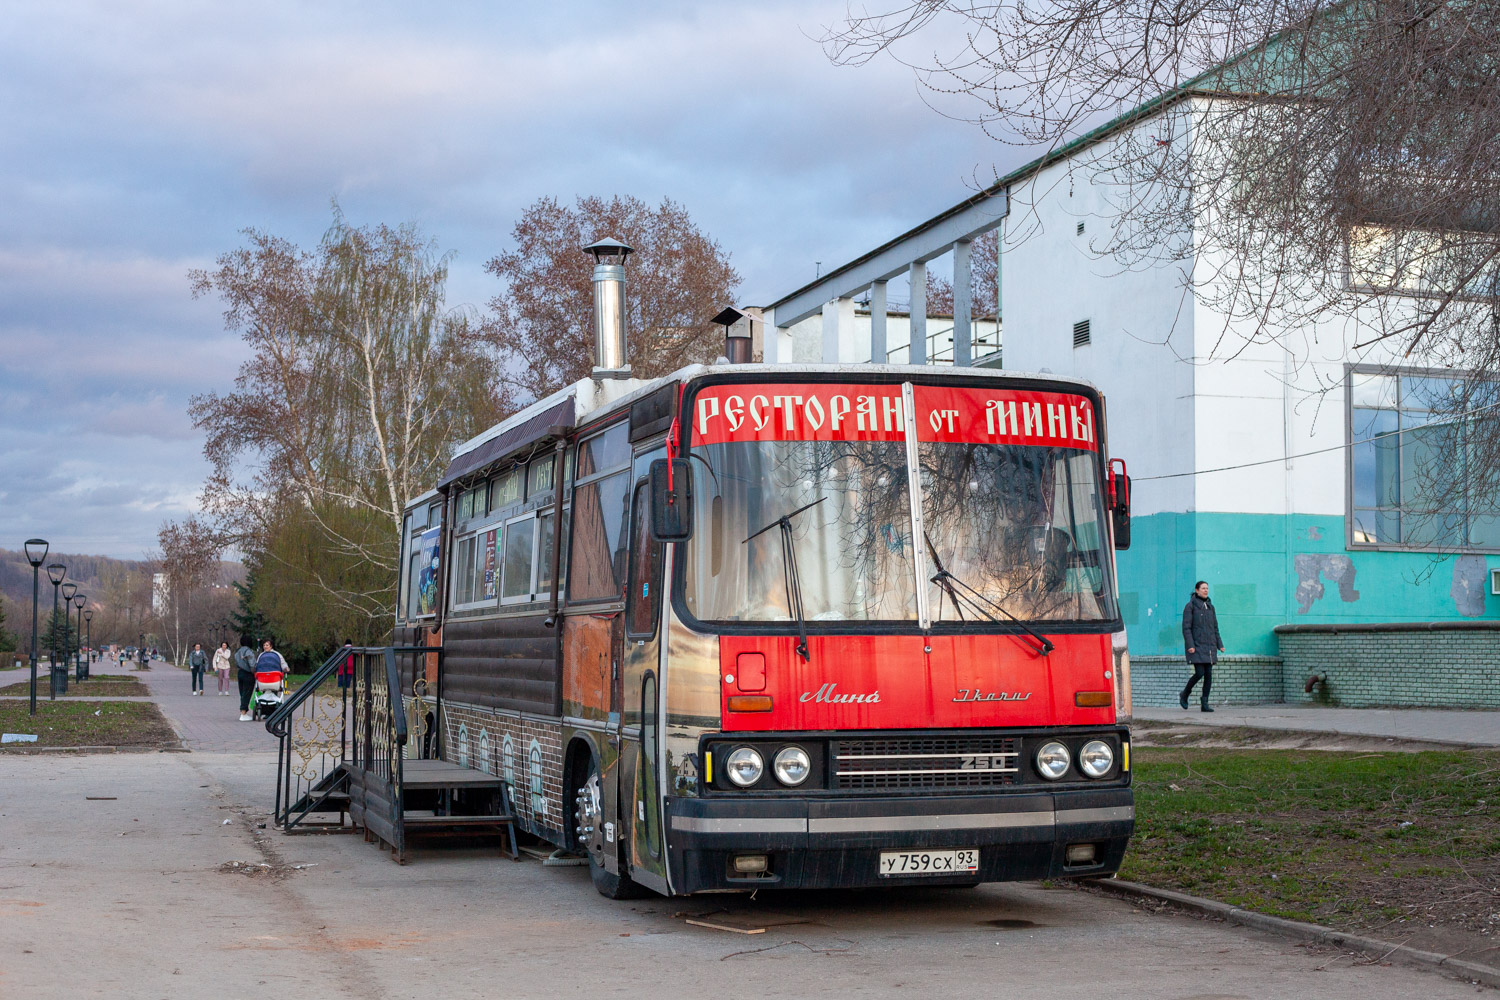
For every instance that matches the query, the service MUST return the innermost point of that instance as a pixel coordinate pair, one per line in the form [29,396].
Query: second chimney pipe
[609,308]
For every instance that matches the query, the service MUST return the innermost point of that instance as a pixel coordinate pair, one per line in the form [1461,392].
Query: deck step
[426,819]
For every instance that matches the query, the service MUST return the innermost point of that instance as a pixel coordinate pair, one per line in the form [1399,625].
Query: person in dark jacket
[197,663]
[1200,635]
[244,662]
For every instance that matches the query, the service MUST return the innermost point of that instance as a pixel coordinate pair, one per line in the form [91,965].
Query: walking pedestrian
[346,668]
[1200,634]
[244,661]
[197,663]
[222,658]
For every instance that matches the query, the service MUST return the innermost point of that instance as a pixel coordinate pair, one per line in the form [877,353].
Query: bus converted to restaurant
[812,626]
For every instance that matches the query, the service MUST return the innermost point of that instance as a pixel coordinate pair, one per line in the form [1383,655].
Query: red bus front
[888,655]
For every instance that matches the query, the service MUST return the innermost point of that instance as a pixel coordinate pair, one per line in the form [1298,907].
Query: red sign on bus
[847,412]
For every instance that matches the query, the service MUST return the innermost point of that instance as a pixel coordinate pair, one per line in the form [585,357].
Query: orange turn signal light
[1094,699]
[749,703]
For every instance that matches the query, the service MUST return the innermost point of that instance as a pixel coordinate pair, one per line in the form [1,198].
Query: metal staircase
[348,750]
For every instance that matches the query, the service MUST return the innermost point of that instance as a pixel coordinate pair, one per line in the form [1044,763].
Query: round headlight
[744,766]
[1052,760]
[792,765]
[1096,758]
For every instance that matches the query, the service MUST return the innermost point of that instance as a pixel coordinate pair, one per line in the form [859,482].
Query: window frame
[1351,371]
[576,483]
[530,597]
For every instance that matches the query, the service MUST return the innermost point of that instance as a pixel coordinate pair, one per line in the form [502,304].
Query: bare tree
[1311,168]
[188,565]
[543,319]
[360,382]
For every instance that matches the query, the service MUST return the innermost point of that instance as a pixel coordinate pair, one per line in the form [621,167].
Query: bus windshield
[1011,527]
[853,549]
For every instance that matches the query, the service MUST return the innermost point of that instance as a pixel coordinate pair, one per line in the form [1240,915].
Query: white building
[1251,460]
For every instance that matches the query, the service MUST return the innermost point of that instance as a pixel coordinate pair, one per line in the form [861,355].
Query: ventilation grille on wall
[1080,333]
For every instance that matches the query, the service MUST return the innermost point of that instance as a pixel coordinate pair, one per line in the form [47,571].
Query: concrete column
[838,319]
[771,338]
[918,274]
[877,323]
[963,306]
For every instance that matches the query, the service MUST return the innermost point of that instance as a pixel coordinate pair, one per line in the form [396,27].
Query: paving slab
[143,891]
[1478,727]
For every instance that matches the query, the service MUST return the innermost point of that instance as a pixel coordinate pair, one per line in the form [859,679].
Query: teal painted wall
[1252,566]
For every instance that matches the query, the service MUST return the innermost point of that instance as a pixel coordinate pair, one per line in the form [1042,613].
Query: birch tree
[359,383]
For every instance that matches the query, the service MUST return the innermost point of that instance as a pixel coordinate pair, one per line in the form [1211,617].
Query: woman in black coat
[1200,635]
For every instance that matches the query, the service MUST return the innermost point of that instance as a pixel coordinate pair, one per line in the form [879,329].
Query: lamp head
[36,551]
[68,590]
[56,572]
[79,600]
[88,614]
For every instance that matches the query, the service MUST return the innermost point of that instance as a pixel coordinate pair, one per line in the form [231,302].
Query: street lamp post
[88,621]
[55,573]
[61,679]
[36,554]
[79,600]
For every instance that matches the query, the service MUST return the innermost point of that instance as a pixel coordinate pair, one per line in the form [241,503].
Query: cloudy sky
[139,137]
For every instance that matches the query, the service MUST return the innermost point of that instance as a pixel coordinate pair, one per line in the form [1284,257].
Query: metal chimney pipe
[609,308]
[737,342]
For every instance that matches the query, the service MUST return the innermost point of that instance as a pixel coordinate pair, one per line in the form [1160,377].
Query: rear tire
[588,829]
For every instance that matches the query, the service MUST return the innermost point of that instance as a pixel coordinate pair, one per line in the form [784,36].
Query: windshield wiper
[790,576]
[978,601]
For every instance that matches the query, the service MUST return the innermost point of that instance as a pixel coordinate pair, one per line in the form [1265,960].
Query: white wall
[1141,326]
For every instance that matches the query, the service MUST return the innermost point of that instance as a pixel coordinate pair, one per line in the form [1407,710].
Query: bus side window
[643,600]
[647,772]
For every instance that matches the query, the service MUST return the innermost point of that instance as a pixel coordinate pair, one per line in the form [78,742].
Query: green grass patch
[102,686]
[84,723]
[1352,840]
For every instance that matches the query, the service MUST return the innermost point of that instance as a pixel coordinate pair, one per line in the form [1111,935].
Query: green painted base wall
[1252,564]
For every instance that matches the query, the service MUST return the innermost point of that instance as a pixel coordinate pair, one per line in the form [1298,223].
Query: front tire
[588,829]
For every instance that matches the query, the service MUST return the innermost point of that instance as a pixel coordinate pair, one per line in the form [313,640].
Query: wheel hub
[588,818]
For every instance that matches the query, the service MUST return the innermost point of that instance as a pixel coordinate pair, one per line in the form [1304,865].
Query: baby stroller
[270,692]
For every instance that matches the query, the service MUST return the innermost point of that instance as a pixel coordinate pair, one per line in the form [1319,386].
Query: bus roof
[589,400]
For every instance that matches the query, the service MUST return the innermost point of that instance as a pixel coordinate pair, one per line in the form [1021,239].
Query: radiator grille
[949,762]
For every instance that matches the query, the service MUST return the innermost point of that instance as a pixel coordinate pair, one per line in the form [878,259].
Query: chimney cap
[734,322]
[608,247]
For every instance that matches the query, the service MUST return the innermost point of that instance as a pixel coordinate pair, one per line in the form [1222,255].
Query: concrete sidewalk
[1481,728]
[210,722]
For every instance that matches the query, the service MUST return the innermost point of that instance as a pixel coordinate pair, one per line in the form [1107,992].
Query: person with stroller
[270,661]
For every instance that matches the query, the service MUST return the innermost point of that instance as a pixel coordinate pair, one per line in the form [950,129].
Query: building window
[1081,333]
[1420,468]
[1423,262]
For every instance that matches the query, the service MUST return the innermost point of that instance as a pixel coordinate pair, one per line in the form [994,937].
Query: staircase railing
[311,728]
[326,728]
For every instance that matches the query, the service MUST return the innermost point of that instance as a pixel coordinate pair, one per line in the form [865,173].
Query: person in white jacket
[222,660]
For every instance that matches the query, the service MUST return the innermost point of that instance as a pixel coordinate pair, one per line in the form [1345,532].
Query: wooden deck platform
[416,774]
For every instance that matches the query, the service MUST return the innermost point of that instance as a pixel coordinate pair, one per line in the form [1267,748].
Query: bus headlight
[1096,758]
[792,765]
[744,766]
[1052,760]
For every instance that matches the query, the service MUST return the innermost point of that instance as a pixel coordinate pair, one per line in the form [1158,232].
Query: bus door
[640,732]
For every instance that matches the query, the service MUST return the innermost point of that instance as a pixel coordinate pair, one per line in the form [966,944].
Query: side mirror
[671,500]
[1119,502]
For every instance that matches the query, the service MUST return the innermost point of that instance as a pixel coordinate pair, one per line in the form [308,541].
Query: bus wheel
[588,820]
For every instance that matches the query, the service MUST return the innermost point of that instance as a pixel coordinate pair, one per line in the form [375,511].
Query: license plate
[928,862]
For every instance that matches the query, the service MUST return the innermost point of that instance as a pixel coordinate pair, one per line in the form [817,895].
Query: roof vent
[1081,333]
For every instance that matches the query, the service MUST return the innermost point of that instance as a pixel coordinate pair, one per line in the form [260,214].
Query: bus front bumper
[825,843]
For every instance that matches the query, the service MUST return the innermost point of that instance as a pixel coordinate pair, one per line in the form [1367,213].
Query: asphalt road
[133,893]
